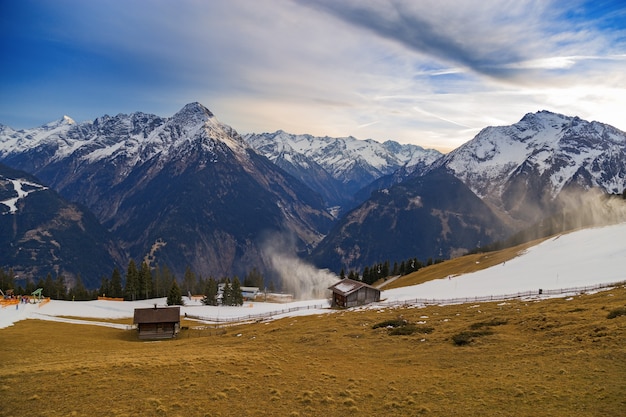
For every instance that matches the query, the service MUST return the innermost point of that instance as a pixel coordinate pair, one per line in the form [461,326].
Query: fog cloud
[297,277]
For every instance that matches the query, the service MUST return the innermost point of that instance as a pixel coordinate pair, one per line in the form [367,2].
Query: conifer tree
[105,287]
[132,281]
[78,291]
[210,293]
[189,281]
[48,288]
[237,296]
[254,278]
[59,288]
[227,293]
[116,284]
[174,297]
[145,281]
[385,271]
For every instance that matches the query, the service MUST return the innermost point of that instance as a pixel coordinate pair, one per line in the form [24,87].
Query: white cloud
[429,72]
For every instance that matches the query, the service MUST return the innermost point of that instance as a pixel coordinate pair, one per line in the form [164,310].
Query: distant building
[157,322]
[249,293]
[350,293]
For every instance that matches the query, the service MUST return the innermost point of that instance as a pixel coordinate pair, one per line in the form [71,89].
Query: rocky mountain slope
[41,233]
[429,216]
[187,185]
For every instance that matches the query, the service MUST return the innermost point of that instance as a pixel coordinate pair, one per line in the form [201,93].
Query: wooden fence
[254,317]
[229,321]
[502,297]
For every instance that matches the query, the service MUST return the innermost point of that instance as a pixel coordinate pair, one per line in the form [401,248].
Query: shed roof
[348,286]
[157,315]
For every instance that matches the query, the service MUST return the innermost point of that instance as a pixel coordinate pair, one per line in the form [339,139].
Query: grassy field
[560,357]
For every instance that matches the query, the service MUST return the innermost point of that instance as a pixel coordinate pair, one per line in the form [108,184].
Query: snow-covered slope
[22,188]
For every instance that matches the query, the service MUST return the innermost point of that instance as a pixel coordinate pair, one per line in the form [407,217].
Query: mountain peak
[64,121]
[193,112]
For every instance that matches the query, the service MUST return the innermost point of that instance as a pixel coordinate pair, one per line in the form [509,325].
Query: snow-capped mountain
[121,143]
[338,167]
[188,182]
[542,175]
[523,169]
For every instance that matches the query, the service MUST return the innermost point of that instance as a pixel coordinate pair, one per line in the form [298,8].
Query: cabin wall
[157,330]
[364,295]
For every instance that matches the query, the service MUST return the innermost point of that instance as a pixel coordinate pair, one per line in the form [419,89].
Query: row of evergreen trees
[377,271]
[56,288]
[138,283]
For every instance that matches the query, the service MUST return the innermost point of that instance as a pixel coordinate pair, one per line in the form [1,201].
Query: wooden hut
[157,322]
[350,293]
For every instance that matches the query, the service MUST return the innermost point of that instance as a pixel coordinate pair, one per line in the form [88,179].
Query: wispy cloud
[431,72]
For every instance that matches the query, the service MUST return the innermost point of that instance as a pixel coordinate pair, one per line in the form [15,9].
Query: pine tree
[60,290]
[366,275]
[145,281]
[254,278]
[162,280]
[189,280]
[174,297]
[237,296]
[385,271]
[78,291]
[132,281]
[227,293]
[105,287]
[48,287]
[116,284]
[210,293]
[342,274]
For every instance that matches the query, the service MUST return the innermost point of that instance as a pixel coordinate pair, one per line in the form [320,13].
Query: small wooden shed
[351,293]
[157,322]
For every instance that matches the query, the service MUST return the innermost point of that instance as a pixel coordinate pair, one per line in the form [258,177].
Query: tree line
[383,270]
[139,283]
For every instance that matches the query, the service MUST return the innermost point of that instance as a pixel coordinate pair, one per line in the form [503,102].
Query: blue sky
[427,72]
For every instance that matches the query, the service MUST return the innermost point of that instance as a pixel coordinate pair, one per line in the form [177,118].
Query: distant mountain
[41,233]
[190,191]
[187,189]
[526,171]
[337,168]
[429,216]
[519,179]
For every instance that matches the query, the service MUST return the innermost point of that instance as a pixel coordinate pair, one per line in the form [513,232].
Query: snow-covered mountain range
[523,174]
[538,159]
[338,168]
[188,182]
[212,196]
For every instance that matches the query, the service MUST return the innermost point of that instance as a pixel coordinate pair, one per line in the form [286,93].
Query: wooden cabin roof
[348,286]
[157,315]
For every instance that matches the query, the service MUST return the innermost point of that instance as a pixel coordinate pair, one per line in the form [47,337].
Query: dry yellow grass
[560,357]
